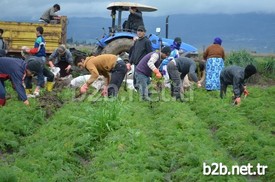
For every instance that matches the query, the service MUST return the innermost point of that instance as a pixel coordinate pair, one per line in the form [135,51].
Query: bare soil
[50,102]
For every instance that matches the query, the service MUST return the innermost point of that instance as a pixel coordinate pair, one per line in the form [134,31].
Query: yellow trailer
[18,34]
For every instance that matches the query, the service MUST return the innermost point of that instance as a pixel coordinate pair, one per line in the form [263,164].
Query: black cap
[142,28]
[166,50]
[250,70]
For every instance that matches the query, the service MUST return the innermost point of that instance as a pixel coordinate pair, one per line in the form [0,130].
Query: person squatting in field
[13,69]
[62,58]
[179,68]
[36,67]
[214,57]
[236,76]
[104,65]
[148,64]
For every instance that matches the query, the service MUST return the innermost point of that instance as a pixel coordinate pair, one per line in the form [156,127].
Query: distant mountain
[253,32]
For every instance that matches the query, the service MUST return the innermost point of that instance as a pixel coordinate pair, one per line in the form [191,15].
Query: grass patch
[130,140]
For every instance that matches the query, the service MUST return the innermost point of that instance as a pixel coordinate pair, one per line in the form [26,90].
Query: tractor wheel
[118,46]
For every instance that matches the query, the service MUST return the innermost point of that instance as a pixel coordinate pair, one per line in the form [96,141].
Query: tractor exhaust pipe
[166,30]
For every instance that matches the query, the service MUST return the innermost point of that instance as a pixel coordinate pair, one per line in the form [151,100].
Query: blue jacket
[14,69]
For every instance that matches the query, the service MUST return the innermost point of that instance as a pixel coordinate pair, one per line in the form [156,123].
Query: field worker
[36,67]
[112,67]
[236,76]
[179,68]
[3,45]
[141,47]
[175,47]
[214,57]
[148,64]
[62,58]
[134,19]
[39,49]
[15,70]
[50,16]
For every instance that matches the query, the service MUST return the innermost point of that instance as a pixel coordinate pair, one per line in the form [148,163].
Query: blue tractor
[119,41]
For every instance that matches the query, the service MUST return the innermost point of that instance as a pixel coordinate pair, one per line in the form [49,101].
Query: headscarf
[217,40]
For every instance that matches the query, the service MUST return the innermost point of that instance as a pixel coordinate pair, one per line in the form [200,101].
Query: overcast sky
[97,8]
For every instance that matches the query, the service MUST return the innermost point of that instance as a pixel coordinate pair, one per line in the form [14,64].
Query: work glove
[246,93]
[84,88]
[157,73]
[237,101]
[104,92]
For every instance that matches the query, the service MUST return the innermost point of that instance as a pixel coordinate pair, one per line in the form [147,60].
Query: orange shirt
[100,65]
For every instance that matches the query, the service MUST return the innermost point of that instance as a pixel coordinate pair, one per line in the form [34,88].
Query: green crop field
[126,139]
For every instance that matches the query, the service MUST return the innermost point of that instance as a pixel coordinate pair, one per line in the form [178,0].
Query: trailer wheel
[118,46]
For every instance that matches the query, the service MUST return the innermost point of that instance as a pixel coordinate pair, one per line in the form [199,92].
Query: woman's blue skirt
[214,67]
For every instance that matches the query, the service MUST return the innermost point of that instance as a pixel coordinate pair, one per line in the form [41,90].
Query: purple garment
[143,67]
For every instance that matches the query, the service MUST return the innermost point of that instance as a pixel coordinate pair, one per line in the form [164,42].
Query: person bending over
[236,76]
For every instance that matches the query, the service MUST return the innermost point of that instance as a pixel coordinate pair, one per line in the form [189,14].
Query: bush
[241,58]
[269,66]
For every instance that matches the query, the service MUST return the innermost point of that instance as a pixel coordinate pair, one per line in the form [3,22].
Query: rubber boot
[2,102]
[49,86]
[28,91]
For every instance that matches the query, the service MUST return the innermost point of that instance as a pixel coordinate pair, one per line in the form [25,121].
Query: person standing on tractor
[134,19]
[50,16]
[62,58]
[104,64]
[39,49]
[141,47]
[13,69]
[178,69]
[236,76]
[3,45]
[36,67]
[148,64]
